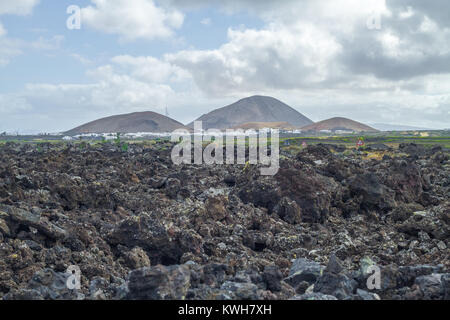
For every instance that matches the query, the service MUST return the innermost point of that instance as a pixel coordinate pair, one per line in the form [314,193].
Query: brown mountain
[335,124]
[252,109]
[261,125]
[129,123]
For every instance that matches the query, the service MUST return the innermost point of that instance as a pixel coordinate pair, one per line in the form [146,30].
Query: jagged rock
[272,277]
[412,149]
[390,277]
[230,180]
[159,283]
[408,274]
[375,196]
[98,288]
[157,182]
[214,274]
[314,296]
[304,270]
[319,151]
[47,285]
[102,289]
[289,211]
[334,265]
[135,258]
[446,285]
[430,286]
[216,208]
[428,222]
[158,241]
[173,187]
[257,241]
[334,282]
[338,285]
[441,245]
[242,291]
[4,229]
[313,193]
[260,194]
[33,219]
[364,295]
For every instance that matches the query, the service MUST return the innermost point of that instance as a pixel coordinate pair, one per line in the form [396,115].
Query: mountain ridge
[147,121]
[339,123]
[262,125]
[250,110]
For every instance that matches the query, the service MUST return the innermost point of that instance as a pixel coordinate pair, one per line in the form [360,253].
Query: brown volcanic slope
[262,125]
[130,123]
[253,109]
[334,124]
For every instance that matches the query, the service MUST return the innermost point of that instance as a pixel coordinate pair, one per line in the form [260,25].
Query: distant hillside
[129,123]
[336,124]
[253,109]
[394,127]
[262,125]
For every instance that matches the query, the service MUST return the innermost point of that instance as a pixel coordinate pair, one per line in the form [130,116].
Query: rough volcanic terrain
[139,227]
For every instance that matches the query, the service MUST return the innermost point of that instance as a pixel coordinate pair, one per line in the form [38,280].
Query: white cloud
[279,56]
[52,43]
[206,21]
[150,69]
[293,10]
[12,103]
[2,30]
[131,20]
[314,45]
[17,7]
[9,48]
[83,60]
[111,91]
[12,47]
[127,84]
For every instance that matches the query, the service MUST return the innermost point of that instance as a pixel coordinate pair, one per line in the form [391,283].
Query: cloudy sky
[375,61]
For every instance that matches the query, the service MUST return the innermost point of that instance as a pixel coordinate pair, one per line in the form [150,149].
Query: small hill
[335,124]
[394,127]
[252,109]
[129,123]
[262,125]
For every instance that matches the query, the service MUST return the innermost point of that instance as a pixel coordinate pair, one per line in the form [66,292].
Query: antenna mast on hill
[167,111]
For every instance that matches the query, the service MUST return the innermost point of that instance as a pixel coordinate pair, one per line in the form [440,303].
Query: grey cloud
[216,78]
[437,10]
[364,54]
[236,4]
[264,8]
[419,53]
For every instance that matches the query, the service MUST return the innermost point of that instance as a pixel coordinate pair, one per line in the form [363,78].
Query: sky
[374,61]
